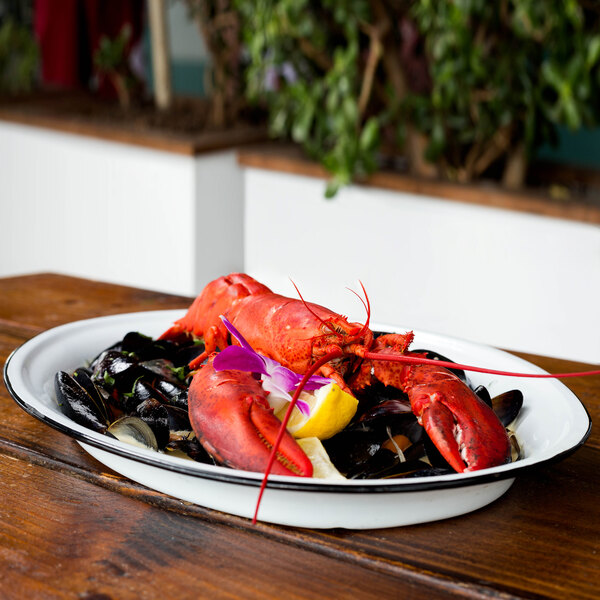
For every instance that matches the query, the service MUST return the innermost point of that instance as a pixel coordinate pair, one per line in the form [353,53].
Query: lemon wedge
[322,466]
[331,409]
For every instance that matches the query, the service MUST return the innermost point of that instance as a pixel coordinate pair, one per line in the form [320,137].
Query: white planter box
[117,212]
[508,279]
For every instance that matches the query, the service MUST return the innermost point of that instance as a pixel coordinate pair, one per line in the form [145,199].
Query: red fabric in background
[69,31]
[56,30]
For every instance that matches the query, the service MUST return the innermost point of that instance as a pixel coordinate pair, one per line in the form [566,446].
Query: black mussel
[163,391]
[482,393]
[86,409]
[189,448]
[394,406]
[116,347]
[135,342]
[168,422]
[132,430]
[376,393]
[437,356]
[155,415]
[115,368]
[386,465]
[354,447]
[85,370]
[507,406]
[391,420]
[142,390]
[396,458]
[379,400]
[179,423]
[433,454]
[187,352]
[164,369]
[147,348]
[100,396]
[174,394]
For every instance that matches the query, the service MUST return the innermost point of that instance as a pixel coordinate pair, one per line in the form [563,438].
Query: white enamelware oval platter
[552,424]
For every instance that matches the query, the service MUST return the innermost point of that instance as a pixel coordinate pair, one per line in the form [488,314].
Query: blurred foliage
[484,83]
[304,63]
[111,58]
[503,74]
[219,24]
[19,58]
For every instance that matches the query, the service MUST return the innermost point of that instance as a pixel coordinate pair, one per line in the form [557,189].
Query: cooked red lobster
[231,417]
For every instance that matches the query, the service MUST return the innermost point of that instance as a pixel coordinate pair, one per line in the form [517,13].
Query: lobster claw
[232,419]
[463,428]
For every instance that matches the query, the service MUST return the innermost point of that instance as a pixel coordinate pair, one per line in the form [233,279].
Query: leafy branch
[465,89]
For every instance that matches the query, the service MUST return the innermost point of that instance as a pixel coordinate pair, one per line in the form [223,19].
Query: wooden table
[69,528]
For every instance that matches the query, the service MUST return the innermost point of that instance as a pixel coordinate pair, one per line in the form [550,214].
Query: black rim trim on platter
[203,471]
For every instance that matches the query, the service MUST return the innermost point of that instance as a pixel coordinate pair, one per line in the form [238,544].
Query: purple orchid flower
[278,380]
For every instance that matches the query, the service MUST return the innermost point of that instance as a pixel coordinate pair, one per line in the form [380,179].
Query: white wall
[116,212]
[503,278]
[219,218]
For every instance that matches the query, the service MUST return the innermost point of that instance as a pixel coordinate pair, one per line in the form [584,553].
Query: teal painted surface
[578,148]
[187,78]
[187,75]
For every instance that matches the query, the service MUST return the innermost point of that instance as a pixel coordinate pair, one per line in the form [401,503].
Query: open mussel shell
[87,409]
[507,406]
[515,447]
[132,430]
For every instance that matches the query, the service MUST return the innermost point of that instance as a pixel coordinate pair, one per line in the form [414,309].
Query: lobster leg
[232,419]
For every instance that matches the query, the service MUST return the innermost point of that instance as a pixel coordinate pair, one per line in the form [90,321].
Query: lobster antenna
[368,307]
[313,369]
[366,304]
[417,360]
[312,312]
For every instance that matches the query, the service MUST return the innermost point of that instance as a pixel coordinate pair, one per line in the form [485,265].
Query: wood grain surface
[70,528]
[188,144]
